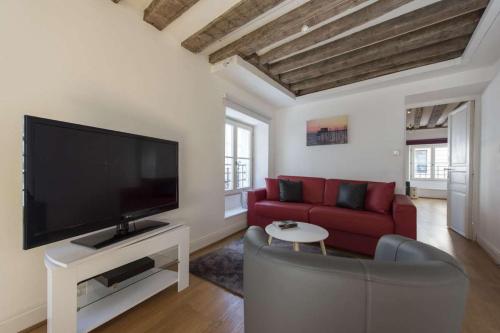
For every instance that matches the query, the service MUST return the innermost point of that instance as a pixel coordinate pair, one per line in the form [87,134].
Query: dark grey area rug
[224,266]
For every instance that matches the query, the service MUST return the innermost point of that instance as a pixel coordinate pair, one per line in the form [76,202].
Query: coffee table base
[296,245]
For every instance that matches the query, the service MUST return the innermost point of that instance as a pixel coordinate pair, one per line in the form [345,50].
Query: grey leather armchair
[409,287]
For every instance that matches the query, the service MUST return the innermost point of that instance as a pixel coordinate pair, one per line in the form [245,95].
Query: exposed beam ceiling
[421,18]
[437,111]
[418,116]
[161,13]
[444,116]
[364,77]
[430,116]
[426,116]
[428,52]
[255,61]
[457,27]
[234,18]
[410,118]
[325,44]
[309,14]
[333,29]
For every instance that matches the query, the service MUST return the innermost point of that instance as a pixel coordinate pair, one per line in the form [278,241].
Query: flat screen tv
[79,179]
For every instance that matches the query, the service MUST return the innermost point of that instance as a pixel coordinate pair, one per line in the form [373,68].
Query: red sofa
[353,230]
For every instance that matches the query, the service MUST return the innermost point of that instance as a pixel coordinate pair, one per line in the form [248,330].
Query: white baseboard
[238,223]
[24,320]
[39,314]
[432,193]
[490,249]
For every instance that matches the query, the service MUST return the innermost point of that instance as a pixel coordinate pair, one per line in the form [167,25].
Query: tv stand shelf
[97,313]
[68,263]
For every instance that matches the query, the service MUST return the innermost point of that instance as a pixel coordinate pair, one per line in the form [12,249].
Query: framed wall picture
[327,131]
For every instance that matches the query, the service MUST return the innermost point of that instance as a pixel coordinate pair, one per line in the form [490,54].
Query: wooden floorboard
[204,307]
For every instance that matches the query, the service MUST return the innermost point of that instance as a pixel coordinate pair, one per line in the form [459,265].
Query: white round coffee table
[303,233]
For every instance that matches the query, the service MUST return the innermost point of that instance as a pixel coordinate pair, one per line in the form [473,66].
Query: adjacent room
[257,166]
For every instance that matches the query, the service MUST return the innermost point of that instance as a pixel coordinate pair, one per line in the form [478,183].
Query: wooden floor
[203,307]
[482,314]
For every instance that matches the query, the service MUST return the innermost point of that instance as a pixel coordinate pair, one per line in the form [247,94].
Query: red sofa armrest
[253,197]
[404,214]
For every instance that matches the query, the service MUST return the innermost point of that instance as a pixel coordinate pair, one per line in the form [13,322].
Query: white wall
[96,63]
[429,133]
[488,233]
[373,134]
[376,128]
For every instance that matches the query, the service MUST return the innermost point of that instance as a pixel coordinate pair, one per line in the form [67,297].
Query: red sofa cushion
[354,221]
[379,196]
[312,188]
[283,210]
[272,189]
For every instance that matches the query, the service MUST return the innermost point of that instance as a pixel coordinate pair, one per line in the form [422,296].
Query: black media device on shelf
[79,179]
[122,273]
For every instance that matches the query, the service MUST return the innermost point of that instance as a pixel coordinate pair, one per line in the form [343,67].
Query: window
[429,162]
[238,166]
[422,163]
[440,162]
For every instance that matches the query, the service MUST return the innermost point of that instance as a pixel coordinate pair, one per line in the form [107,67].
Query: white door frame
[475,145]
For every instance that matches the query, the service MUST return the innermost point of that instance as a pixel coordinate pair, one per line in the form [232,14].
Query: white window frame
[432,147]
[238,124]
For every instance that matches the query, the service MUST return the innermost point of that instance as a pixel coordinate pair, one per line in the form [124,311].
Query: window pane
[244,142]
[228,174]
[243,169]
[440,162]
[229,140]
[422,163]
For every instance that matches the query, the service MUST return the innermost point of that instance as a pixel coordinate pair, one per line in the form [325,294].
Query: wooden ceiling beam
[452,45]
[311,13]
[444,116]
[234,18]
[333,29]
[458,27]
[364,77]
[426,116]
[161,13]
[437,112]
[418,19]
[418,117]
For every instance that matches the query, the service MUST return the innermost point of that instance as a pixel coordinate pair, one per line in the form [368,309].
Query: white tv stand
[68,264]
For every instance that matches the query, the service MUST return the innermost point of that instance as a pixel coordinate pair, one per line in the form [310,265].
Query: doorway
[439,157]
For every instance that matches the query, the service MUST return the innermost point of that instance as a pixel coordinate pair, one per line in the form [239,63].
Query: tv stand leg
[61,299]
[183,257]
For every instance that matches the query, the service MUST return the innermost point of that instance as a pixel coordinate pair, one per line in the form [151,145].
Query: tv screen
[79,179]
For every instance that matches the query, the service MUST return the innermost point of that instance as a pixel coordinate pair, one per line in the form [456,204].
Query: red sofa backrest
[313,188]
[379,195]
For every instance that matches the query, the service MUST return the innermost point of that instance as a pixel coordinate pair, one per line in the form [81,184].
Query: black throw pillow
[352,196]
[290,191]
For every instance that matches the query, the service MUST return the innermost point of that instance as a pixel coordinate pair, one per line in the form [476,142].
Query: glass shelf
[96,291]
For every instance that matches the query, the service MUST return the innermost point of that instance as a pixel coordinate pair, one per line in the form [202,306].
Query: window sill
[234,212]
[234,192]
